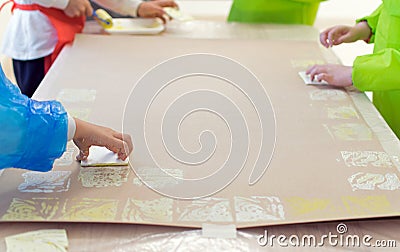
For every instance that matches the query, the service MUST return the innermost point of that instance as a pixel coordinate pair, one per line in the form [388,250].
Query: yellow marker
[103,18]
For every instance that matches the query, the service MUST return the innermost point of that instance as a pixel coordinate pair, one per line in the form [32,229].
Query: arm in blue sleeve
[32,133]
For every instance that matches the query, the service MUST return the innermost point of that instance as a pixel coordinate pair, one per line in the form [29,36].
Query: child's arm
[377,71]
[88,134]
[138,8]
[34,133]
[72,8]
[345,34]
[371,72]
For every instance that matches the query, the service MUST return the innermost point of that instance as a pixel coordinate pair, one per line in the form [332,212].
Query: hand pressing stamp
[307,80]
[101,156]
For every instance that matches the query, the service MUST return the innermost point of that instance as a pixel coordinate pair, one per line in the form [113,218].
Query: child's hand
[344,34]
[77,8]
[335,75]
[154,9]
[88,134]
[337,35]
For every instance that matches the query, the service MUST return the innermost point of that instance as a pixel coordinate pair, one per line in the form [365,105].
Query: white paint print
[148,210]
[1,172]
[371,181]
[67,158]
[74,95]
[207,209]
[366,158]
[328,95]
[258,208]
[157,178]
[365,181]
[349,132]
[392,182]
[103,176]
[342,112]
[45,182]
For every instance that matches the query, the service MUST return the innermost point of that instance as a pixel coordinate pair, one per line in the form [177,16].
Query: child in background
[274,11]
[33,134]
[39,29]
[377,72]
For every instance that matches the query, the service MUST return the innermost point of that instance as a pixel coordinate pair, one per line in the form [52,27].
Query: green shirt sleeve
[372,21]
[378,71]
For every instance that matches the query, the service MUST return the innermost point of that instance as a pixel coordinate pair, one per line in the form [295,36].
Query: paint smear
[300,206]
[358,205]
[158,210]
[366,158]
[68,156]
[349,132]
[258,208]
[305,63]
[371,181]
[328,95]
[342,112]
[71,95]
[87,209]
[103,176]
[45,182]
[32,209]
[46,240]
[157,178]
[207,209]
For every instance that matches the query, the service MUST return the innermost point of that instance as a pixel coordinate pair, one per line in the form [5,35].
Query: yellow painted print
[32,209]
[300,206]
[90,209]
[148,210]
[373,204]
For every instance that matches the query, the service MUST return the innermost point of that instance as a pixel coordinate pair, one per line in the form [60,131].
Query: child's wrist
[364,30]
[79,128]
[71,128]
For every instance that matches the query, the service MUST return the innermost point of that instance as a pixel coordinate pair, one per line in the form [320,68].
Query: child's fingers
[311,69]
[322,76]
[124,152]
[315,71]
[331,38]
[89,10]
[127,139]
[323,39]
[118,145]
[167,3]
[158,13]
[83,154]
[342,39]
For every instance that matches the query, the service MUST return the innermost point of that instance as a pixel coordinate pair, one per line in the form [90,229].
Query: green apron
[380,72]
[274,11]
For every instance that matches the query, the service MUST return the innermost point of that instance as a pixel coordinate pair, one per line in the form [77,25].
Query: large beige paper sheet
[328,163]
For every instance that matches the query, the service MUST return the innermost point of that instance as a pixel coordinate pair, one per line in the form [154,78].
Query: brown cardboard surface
[318,146]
